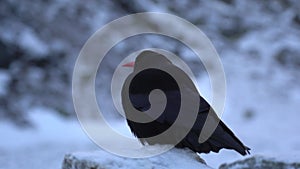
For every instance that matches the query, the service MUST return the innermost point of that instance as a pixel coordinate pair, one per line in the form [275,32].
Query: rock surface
[102,160]
[175,158]
[259,162]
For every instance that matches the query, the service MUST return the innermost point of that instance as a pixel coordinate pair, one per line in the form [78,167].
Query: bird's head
[148,58]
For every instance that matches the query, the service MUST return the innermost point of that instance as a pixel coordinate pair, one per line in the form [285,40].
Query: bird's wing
[222,136]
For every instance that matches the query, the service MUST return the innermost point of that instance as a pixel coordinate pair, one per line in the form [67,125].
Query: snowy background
[258,42]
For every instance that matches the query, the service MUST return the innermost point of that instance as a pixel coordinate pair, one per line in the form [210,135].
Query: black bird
[150,78]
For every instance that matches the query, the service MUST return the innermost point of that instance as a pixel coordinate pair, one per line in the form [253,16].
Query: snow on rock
[260,162]
[175,158]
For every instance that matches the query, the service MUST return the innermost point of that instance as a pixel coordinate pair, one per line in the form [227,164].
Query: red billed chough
[150,74]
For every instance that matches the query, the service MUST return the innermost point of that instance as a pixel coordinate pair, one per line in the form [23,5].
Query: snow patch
[31,42]
[175,158]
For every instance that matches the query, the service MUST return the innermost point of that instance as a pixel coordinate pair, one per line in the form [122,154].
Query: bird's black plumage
[151,78]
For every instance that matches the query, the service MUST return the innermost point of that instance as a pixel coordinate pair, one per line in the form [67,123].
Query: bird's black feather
[150,79]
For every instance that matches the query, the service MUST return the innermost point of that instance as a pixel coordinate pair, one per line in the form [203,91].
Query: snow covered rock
[259,162]
[175,158]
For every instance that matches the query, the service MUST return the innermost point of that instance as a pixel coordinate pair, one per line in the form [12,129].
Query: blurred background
[258,42]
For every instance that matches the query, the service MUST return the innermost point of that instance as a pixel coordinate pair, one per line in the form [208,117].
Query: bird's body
[149,79]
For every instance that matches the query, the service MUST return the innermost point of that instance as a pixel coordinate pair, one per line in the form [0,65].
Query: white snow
[174,158]
[42,146]
[32,43]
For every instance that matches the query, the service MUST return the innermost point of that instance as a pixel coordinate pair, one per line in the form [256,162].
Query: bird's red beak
[130,64]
